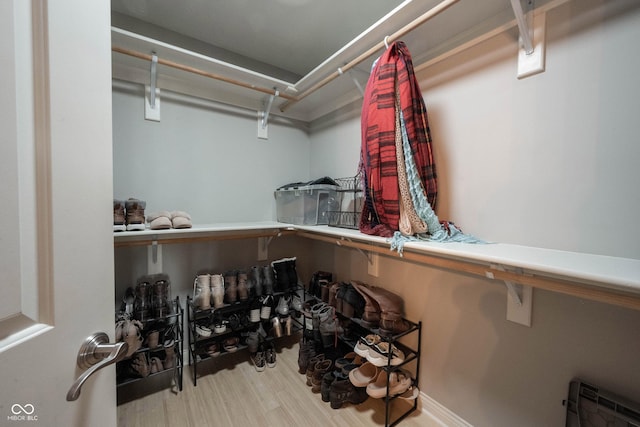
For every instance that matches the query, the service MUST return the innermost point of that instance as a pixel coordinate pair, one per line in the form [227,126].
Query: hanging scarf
[396,159]
[392,74]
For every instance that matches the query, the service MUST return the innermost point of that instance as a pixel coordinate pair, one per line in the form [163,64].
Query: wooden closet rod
[440,7]
[199,72]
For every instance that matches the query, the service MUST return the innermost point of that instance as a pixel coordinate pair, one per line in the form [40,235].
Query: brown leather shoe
[371,315]
[390,304]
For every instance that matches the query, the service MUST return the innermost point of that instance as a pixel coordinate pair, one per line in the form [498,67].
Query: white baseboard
[440,414]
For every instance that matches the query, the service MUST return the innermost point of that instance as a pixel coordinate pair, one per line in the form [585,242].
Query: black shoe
[343,391]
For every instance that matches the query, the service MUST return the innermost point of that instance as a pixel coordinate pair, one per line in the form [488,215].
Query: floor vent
[591,406]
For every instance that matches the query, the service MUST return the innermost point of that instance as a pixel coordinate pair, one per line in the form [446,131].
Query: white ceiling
[292,35]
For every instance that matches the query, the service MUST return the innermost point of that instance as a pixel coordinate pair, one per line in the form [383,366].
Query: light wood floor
[230,392]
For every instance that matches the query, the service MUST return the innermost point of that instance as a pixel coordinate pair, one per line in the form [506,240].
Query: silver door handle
[95,353]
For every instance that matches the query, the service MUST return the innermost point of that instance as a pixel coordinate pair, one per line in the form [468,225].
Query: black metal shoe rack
[358,329]
[169,327]
[412,356]
[195,316]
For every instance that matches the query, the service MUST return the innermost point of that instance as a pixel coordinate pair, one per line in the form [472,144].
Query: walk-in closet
[251,276]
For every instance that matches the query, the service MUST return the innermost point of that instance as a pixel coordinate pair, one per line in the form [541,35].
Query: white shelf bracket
[263,116]
[519,298]
[152,93]
[373,258]
[263,247]
[532,27]
[154,258]
[355,80]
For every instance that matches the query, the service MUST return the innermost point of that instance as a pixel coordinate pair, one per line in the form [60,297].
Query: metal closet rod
[199,72]
[440,7]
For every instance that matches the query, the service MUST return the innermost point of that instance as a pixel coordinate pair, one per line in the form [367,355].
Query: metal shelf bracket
[532,27]
[263,116]
[519,298]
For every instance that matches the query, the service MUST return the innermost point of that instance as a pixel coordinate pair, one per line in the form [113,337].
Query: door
[56,244]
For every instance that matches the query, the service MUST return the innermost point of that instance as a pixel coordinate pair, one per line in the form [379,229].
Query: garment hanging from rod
[400,182]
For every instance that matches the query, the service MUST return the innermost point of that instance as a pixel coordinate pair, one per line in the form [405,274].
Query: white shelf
[598,277]
[237,230]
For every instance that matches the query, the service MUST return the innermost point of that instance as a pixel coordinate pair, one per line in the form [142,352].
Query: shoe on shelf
[265,310]
[214,349]
[412,393]
[203,331]
[283,306]
[118,216]
[140,365]
[231,344]
[296,304]
[202,291]
[135,214]
[379,355]
[243,286]
[180,219]
[255,277]
[363,375]
[259,361]
[399,382]
[267,279]
[159,220]
[254,311]
[231,286]
[364,344]
[217,290]
[270,356]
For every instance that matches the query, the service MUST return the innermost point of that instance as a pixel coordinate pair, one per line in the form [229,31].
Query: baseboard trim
[440,414]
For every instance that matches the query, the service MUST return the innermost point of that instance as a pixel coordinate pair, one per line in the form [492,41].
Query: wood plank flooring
[230,392]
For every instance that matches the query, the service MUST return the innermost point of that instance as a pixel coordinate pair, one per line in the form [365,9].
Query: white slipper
[159,220]
[180,219]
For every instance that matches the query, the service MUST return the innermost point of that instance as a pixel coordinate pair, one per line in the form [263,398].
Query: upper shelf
[603,278]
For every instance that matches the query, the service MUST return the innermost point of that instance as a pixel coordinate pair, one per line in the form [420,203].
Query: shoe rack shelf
[198,345]
[170,329]
[411,355]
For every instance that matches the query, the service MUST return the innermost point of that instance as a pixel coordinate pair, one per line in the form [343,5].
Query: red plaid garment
[381,211]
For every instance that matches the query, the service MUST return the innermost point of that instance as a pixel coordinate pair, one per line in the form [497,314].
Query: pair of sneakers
[128,215]
[263,358]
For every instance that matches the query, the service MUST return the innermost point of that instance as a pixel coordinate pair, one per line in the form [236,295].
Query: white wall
[203,157]
[548,161]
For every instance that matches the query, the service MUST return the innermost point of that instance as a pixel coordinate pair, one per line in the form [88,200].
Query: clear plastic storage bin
[305,204]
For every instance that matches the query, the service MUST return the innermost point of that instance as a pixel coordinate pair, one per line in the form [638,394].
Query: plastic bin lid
[320,181]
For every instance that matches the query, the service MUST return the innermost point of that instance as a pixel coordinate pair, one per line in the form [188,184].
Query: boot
[390,308]
[256,280]
[305,353]
[217,290]
[231,287]
[267,280]
[320,369]
[202,291]
[292,273]
[243,287]
[170,356]
[281,273]
[371,314]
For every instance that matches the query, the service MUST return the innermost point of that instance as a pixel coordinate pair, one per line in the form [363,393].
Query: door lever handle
[95,353]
